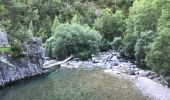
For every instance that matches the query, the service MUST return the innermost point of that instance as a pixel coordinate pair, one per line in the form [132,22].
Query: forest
[138,29]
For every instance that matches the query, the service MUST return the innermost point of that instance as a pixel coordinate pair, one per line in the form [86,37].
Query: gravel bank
[152,89]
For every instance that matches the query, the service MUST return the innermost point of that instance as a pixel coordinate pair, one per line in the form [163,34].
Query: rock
[143,73]
[3,38]
[121,60]
[75,59]
[29,64]
[95,61]
[47,58]
[114,59]
[136,72]
[114,63]
[131,72]
[152,76]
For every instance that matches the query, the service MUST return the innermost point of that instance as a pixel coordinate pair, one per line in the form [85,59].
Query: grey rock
[95,61]
[131,72]
[30,63]
[115,63]
[143,73]
[75,59]
[152,76]
[3,38]
[136,72]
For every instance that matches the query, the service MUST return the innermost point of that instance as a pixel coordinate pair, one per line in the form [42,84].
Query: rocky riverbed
[112,60]
[150,84]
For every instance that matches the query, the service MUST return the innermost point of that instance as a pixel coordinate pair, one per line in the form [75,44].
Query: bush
[5,50]
[105,45]
[117,42]
[142,47]
[76,39]
[110,25]
[129,42]
[16,50]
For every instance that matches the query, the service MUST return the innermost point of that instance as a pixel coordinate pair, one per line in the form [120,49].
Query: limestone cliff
[29,64]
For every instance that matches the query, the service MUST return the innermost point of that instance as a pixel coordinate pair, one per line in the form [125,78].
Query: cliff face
[30,63]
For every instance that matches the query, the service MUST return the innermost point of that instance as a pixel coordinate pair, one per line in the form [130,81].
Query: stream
[73,84]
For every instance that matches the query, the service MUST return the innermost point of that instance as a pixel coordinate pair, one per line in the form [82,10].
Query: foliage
[159,56]
[142,47]
[16,50]
[109,24]
[5,50]
[117,42]
[105,45]
[137,28]
[55,24]
[80,40]
[143,16]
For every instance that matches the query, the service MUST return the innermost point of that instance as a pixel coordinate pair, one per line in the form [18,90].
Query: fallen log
[57,63]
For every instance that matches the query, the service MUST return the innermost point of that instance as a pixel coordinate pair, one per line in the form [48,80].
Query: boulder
[131,71]
[143,73]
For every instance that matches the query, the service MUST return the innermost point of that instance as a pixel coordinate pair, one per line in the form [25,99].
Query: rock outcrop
[3,38]
[29,64]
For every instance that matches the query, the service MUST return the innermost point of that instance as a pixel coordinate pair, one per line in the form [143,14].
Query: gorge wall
[30,62]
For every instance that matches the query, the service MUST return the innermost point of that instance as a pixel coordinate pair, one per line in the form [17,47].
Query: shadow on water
[72,84]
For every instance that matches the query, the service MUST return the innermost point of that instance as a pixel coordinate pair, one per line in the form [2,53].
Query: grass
[5,50]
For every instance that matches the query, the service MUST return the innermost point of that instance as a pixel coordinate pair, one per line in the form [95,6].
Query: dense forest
[138,29]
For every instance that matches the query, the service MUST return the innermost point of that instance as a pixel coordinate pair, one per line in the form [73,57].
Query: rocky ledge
[29,63]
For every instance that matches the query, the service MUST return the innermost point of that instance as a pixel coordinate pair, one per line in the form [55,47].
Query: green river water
[72,84]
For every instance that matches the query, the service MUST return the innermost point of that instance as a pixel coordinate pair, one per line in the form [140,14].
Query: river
[73,84]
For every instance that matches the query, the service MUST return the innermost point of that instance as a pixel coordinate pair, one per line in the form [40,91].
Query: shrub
[117,42]
[142,47]
[16,50]
[5,50]
[110,25]
[80,40]
[105,45]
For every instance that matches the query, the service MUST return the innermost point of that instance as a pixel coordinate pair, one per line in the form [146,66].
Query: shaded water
[72,84]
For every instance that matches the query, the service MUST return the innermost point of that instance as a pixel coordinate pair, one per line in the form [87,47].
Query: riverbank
[151,89]
[10,73]
[148,82]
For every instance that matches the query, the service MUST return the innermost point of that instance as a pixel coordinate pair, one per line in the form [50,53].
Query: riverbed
[73,84]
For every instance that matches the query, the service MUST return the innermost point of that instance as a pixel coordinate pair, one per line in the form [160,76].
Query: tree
[143,16]
[77,19]
[142,47]
[55,24]
[80,40]
[117,42]
[159,56]
[110,25]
